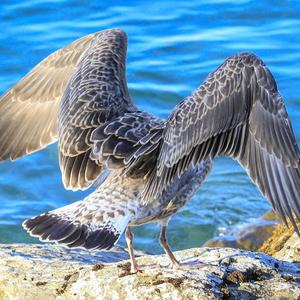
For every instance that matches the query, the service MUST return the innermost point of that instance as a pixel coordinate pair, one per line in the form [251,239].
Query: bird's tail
[96,222]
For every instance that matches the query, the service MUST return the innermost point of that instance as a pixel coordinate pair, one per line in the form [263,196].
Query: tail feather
[96,222]
[51,227]
[67,229]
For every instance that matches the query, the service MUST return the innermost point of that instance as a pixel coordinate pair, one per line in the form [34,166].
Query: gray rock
[290,250]
[51,272]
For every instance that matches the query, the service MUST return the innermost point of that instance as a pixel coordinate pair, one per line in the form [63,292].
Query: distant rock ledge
[250,236]
[50,272]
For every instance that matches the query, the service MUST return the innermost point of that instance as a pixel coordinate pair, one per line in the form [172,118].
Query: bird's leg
[174,262]
[164,243]
[129,241]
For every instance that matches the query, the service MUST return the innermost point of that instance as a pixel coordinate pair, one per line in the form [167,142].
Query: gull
[147,168]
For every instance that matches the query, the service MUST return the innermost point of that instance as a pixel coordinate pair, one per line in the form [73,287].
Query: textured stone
[291,249]
[50,272]
[283,244]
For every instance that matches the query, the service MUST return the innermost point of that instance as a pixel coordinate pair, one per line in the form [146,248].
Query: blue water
[173,45]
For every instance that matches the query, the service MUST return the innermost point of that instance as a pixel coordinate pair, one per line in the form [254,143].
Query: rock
[270,215]
[250,237]
[284,244]
[50,272]
[291,249]
[222,241]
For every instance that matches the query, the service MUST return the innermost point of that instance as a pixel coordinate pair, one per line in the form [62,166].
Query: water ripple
[173,46]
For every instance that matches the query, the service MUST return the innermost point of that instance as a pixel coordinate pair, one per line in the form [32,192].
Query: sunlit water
[173,45]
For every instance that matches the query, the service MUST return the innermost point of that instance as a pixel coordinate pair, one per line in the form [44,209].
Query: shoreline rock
[283,244]
[50,272]
[249,237]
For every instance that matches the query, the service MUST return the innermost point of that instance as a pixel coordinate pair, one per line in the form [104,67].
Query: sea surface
[173,46]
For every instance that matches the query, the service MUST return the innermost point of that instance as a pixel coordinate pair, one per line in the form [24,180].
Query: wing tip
[117,32]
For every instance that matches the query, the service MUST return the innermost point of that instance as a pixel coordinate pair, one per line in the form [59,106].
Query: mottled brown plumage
[96,93]
[78,96]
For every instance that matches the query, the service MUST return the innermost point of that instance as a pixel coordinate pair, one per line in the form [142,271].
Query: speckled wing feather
[237,112]
[130,141]
[29,110]
[96,94]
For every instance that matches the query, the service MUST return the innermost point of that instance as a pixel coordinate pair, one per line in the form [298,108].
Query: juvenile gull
[78,96]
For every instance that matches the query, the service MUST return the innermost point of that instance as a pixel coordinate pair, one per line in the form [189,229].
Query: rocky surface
[291,249]
[249,237]
[283,244]
[50,272]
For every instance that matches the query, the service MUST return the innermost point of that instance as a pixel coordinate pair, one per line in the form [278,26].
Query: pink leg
[164,243]
[129,240]
[174,262]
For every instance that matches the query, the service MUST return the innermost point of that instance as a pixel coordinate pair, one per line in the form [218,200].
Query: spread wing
[29,110]
[237,112]
[96,94]
[65,97]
